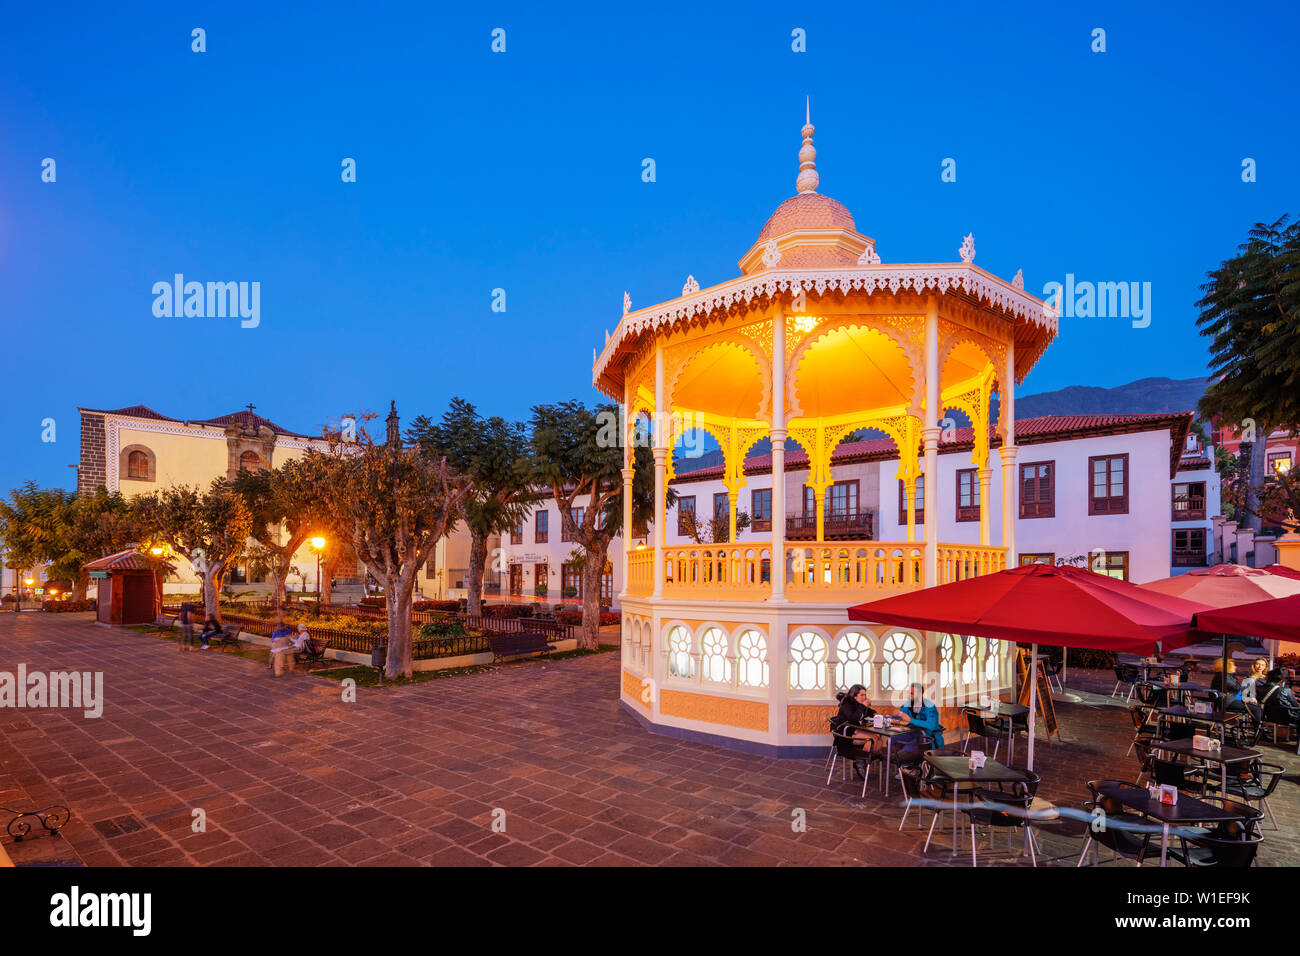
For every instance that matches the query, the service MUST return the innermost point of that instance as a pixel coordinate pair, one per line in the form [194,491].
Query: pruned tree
[392,505]
[717,530]
[98,524]
[33,526]
[493,454]
[208,528]
[285,511]
[1250,310]
[584,471]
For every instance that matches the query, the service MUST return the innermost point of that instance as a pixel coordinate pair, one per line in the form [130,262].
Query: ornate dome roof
[807,211]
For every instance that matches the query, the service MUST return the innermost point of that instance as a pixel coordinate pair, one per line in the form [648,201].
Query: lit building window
[808,654]
[752,662]
[681,660]
[717,660]
[901,654]
[968,660]
[853,660]
[992,660]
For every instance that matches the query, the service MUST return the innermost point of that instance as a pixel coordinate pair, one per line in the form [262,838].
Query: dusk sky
[522,171]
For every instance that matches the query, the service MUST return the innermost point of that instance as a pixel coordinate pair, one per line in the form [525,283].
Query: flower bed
[575,617]
[60,607]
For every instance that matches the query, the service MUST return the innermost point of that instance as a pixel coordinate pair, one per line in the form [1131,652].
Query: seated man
[1278,700]
[302,641]
[921,715]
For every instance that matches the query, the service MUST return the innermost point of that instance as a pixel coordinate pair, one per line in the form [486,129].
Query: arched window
[901,653]
[946,648]
[991,660]
[853,660]
[968,661]
[808,653]
[137,465]
[752,662]
[645,645]
[681,660]
[717,656]
[250,461]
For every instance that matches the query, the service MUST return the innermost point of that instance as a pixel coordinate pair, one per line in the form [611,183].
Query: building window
[578,514]
[1038,489]
[137,465]
[250,461]
[541,579]
[901,666]
[721,505]
[517,532]
[570,581]
[1111,563]
[761,505]
[946,649]
[752,659]
[1279,462]
[842,499]
[1189,501]
[1042,557]
[681,660]
[853,660]
[991,661]
[918,501]
[968,494]
[685,514]
[1192,445]
[1189,548]
[717,656]
[808,661]
[542,529]
[1108,485]
[969,660]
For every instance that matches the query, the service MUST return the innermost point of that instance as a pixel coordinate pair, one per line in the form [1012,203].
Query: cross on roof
[250,406]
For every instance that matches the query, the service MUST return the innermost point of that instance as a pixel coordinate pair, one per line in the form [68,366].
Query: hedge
[63,606]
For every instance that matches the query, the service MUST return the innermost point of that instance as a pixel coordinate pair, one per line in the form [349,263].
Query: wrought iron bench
[518,645]
[313,652]
[166,624]
[226,637]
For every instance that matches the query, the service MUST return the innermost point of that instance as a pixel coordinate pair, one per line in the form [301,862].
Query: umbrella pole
[1223,687]
[1033,700]
[1065,659]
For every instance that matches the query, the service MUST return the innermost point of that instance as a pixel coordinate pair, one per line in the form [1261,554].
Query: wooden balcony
[1189,509]
[836,526]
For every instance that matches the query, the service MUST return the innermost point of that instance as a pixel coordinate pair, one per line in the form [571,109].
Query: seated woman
[211,629]
[854,712]
[922,716]
[1230,688]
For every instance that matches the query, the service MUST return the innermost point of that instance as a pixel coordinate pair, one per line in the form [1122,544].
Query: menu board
[1046,706]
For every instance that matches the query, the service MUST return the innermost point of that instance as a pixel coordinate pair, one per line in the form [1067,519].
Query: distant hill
[1144,395]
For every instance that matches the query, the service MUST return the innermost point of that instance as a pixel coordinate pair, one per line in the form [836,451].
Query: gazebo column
[930,437]
[661,426]
[628,472]
[778,432]
[1010,487]
[986,481]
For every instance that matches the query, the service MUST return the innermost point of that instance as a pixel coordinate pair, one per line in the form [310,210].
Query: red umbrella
[1278,619]
[1058,605]
[1283,570]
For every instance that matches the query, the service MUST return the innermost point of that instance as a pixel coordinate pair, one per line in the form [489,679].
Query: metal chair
[1226,852]
[1256,784]
[1189,777]
[849,749]
[1125,674]
[916,786]
[1002,810]
[978,726]
[1115,833]
[1142,724]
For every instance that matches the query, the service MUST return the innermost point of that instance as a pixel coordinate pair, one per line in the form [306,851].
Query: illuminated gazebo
[746,642]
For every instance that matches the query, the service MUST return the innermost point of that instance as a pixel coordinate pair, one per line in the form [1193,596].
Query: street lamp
[318,545]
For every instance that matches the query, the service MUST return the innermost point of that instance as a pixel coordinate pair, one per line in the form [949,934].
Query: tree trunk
[80,584]
[399,590]
[277,590]
[477,560]
[1255,484]
[211,582]
[593,569]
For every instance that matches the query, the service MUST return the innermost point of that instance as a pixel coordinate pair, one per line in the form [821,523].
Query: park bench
[166,624]
[313,652]
[227,637]
[517,645]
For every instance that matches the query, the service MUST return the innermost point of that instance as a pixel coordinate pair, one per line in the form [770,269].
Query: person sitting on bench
[211,629]
[303,643]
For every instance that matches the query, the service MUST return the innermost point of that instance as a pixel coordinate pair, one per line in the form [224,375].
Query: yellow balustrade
[828,571]
[641,572]
[725,571]
[957,562]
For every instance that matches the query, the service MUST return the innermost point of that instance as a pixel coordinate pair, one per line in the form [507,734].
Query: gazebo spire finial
[807,179]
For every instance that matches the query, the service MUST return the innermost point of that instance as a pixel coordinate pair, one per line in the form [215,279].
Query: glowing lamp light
[29,581]
[53,591]
[318,543]
[641,546]
[156,551]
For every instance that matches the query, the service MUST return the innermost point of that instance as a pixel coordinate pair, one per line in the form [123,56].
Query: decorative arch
[808,652]
[855,654]
[137,463]
[752,666]
[679,645]
[895,328]
[683,355]
[716,653]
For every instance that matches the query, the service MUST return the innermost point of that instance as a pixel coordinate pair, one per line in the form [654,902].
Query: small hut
[130,587]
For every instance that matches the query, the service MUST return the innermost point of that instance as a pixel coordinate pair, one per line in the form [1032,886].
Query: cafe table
[1223,756]
[887,734]
[1009,712]
[958,770]
[1186,687]
[1187,812]
[1211,719]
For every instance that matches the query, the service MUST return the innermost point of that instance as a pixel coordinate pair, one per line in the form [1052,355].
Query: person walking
[281,648]
[186,622]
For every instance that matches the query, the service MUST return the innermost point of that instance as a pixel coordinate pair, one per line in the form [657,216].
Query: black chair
[1255,782]
[1189,777]
[1143,726]
[1145,756]
[1004,810]
[849,750]
[1116,832]
[979,726]
[917,786]
[1228,852]
[938,784]
[1125,674]
[1052,670]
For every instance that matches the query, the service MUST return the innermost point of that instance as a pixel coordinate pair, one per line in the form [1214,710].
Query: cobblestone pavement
[288,774]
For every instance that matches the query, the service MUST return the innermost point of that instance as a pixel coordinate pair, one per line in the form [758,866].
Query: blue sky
[522,171]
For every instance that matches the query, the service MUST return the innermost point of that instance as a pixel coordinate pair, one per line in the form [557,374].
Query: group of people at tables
[1262,693]
[917,714]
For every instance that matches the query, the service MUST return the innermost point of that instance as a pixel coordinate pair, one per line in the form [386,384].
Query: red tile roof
[131,411]
[244,419]
[128,560]
[1029,431]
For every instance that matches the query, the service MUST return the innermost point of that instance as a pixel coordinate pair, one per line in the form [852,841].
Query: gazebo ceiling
[722,380]
[852,370]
